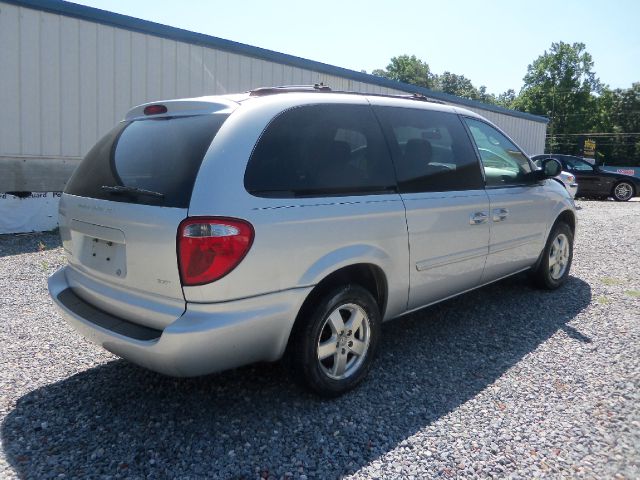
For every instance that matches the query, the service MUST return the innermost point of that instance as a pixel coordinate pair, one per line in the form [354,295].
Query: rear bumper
[205,339]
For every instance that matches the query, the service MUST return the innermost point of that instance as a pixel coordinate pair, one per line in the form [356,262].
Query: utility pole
[553,108]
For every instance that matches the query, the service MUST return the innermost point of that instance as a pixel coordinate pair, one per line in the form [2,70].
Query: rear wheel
[622,191]
[553,269]
[332,347]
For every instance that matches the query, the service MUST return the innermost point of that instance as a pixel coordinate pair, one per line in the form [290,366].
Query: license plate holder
[104,256]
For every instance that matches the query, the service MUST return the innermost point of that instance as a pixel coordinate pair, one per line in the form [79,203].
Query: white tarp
[36,213]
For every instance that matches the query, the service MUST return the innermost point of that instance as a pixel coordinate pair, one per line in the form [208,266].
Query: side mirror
[551,167]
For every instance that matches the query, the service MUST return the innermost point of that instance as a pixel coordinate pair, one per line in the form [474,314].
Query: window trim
[477,151]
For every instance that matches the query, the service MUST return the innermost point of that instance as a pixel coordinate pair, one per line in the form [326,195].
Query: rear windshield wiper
[133,190]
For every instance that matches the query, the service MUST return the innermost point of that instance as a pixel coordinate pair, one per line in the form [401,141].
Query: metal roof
[144,26]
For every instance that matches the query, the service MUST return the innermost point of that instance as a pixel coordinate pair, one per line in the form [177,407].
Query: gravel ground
[506,381]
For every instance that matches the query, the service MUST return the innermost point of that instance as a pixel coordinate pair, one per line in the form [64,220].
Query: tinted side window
[161,155]
[431,150]
[504,163]
[317,150]
[578,165]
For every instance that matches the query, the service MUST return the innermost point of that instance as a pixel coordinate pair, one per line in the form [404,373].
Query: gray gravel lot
[505,381]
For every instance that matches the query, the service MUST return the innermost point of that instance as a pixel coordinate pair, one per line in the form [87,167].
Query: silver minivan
[289,222]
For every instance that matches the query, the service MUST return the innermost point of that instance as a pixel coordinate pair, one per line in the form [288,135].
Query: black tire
[549,277]
[314,327]
[623,191]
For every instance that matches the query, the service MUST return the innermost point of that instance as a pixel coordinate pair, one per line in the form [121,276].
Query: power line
[595,134]
[591,114]
[605,144]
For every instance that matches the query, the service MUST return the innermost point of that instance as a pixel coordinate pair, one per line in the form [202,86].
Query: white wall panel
[244,81]
[257,67]
[50,86]
[266,73]
[154,68]
[277,71]
[122,73]
[105,63]
[221,72]
[10,121]
[209,74]
[297,76]
[70,87]
[233,73]
[182,72]
[138,68]
[65,82]
[30,117]
[169,69]
[195,71]
[88,90]
[308,77]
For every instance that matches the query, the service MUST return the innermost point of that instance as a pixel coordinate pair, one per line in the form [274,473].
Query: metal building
[68,73]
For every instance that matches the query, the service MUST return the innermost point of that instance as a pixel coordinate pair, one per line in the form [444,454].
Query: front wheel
[553,269]
[333,345]
[622,191]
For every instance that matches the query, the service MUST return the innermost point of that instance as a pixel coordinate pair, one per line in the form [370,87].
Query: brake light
[155,109]
[211,247]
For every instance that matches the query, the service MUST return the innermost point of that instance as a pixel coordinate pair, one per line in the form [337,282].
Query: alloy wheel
[344,341]
[559,256]
[623,191]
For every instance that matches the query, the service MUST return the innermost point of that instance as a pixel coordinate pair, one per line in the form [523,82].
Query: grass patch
[612,281]
[602,300]
[633,293]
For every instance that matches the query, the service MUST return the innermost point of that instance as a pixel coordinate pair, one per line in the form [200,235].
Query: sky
[491,44]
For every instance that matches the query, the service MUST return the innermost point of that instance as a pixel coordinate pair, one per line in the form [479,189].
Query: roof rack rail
[424,98]
[262,91]
[321,87]
[413,96]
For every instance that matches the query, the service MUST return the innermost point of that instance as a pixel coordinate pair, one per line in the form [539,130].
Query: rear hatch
[121,209]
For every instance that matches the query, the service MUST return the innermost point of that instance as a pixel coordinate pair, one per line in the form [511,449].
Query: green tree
[507,99]
[561,84]
[410,69]
[407,69]
[486,97]
[619,114]
[458,85]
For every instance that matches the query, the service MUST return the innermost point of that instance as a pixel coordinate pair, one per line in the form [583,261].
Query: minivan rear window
[150,161]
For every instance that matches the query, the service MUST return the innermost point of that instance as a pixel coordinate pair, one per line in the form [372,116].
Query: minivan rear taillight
[210,247]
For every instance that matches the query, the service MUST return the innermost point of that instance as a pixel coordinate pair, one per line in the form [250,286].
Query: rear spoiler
[184,107]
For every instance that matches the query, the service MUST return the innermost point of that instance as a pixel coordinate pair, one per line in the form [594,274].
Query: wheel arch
[368,275]
[568,217]
[565,216]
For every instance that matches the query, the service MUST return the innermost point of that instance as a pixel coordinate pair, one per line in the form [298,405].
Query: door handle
[478,218]
[500,214]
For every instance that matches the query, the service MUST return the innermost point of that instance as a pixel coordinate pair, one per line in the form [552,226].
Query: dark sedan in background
[595,182]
